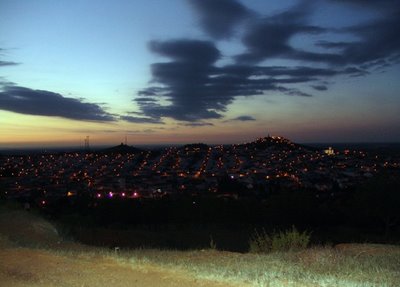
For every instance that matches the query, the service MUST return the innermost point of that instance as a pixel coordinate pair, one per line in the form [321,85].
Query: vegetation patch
[289,240]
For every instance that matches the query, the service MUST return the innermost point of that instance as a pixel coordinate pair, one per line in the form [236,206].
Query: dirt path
[33,267]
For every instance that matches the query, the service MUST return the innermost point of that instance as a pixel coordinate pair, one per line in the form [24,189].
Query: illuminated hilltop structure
[329,151]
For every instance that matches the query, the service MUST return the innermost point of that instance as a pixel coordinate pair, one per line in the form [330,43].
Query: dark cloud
[219,18]
[380,41]
[5,82]
[190,86]
[145,100]
[183,82]
[377,44]
[44,103]
[193,88]
[151,91]
[183,51]
[320,87]
[293,92]
[355,72]
[7,63]
[295,71]
[244,118]
[197,124]
[333,45]
[145,131]
[374,4]
[377,40]
[141,120]
[270,37]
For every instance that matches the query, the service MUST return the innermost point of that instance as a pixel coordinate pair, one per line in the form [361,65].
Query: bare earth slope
[58,263]
[30,267]
[26,228]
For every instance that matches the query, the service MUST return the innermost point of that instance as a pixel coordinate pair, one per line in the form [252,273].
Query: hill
[276,142]
[122,149]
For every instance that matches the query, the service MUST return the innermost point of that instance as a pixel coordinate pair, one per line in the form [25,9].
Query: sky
[184,71]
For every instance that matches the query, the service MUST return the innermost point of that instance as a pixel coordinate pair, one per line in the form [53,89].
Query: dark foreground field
[32,253]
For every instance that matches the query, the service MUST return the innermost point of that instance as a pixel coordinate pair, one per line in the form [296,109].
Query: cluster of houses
[257,168]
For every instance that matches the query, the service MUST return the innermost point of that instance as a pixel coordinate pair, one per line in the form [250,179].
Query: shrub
[260,242]
[289,240]
[213,244]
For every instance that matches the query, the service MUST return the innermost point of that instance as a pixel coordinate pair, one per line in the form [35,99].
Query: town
[269,164]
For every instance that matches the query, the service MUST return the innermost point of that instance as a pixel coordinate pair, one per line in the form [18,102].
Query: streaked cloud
[45,103]
[141,120]
[197,124]
[244,118]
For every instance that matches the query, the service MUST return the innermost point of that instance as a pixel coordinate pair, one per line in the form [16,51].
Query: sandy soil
[35,267]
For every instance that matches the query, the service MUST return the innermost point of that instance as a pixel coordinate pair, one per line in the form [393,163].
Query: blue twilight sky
[215,71]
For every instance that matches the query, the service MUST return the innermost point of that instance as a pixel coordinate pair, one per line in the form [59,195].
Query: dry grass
[312,267]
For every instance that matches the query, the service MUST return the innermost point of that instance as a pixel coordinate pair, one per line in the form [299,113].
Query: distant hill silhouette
[261,143]
[274,141]
[122,149]
[196,145]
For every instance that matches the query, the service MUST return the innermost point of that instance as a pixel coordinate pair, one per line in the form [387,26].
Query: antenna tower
[87,147]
